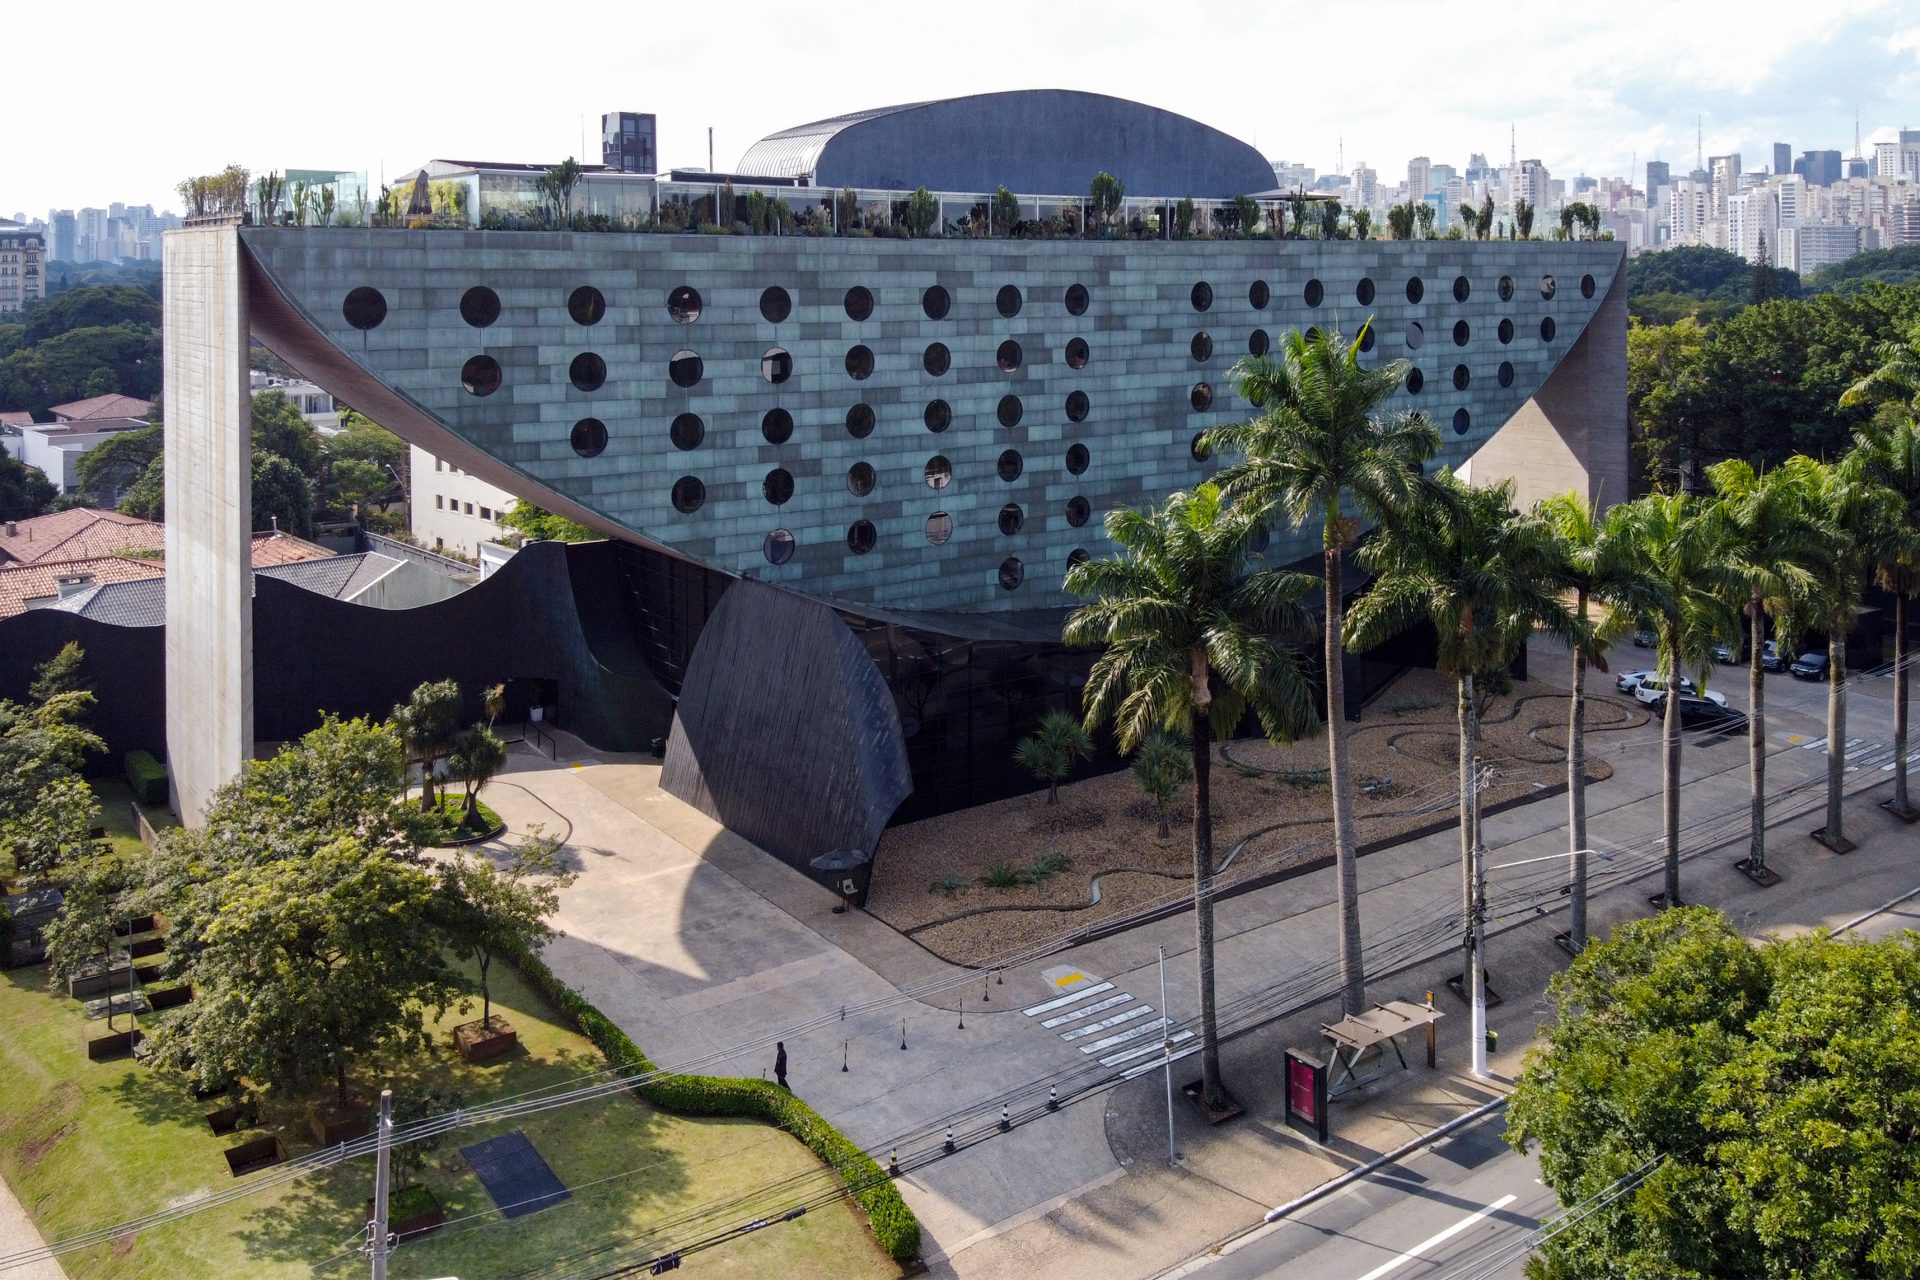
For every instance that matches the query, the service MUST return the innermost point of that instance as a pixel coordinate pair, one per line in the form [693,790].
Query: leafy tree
[97,891]
[426,723]
[57,370]
[1666,400]
[1483,576]
[98,307]
[1049,751]
[556,186]
[110,469]
[307,964]
[1107,193]
[491,908]
[1400,222]
[45,810]
[24,491]
[1900,266]
[1006,213]
[59,674]
[1189,638]
[1363,222]
[1330,219]
[1753,1104]
[1162,766]
[1523,219]
[278,428]
[543,526]
[146,497]
[1248,211]
[1772,548]
[1183,212]
[474,756]
[1483,221]
[281,498]
[923,210]
[1676,540]
[1597,562]
[1323,439]
[55,828]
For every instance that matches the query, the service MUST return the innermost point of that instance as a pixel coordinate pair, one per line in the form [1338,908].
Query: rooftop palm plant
[1324,439]
[1192,639]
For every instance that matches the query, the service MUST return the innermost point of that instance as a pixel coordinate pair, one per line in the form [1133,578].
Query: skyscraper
[1782,158]
[1659,174]
[627,142]
[1819,168]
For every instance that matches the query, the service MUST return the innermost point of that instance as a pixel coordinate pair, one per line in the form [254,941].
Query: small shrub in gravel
[949,883]
[1002,875]
[1046,866]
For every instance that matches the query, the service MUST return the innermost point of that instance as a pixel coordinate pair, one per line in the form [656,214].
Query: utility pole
[1478,1029]
[1166,1048]
[382,1175]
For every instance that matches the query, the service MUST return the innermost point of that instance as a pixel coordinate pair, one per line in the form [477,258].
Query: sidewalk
[17,1233]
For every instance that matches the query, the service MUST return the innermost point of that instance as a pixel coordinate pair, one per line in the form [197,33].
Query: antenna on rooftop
[1513,148]
[1699,150]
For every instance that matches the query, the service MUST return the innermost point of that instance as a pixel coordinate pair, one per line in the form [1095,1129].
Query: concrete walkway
[18,1234]
[706,950]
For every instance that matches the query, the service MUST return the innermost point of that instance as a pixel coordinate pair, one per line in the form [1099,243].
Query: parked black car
[1771,657]
[1810,666]
[1701,713]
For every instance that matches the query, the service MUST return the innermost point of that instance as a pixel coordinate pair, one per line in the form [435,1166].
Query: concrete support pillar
[209,465]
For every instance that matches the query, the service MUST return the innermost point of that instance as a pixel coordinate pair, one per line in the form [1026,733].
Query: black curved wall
[126,668]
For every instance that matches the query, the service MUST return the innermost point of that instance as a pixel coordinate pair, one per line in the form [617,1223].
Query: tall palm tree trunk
[1835,836]
[1670,767]
[1213,1092]
[1901,805]
[1577,792]
[1756,742]
[1346,853]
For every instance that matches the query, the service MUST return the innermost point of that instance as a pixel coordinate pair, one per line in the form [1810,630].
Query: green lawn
[116,814]
[84,1144]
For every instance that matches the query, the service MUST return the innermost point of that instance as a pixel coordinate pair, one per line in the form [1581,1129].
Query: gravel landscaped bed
[928,877]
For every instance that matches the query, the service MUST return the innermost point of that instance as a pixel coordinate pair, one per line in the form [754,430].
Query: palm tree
[1190,644]
[1321,441]
[1523,220]
[1162,766]
[425,722]
[1596,562]
[474,756]
[1852,511]
[1482,575]
[1770,546]
[1673,536]
[1049,751]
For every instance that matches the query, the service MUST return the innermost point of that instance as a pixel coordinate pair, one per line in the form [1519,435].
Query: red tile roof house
[97,407]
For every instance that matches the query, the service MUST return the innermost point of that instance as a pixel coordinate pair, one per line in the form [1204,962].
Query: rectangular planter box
[152,946]
[139,924]
[116,1045]
[410,1228]
[478,1041]
[169,997]
[85,986]
[250,1157]
[334,1125]
[228,1119]
[149,972]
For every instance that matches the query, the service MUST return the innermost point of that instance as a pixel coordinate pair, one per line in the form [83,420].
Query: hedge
[893,1223]
[147,777]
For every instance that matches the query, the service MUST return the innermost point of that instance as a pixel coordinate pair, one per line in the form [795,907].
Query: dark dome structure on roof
[1036,141]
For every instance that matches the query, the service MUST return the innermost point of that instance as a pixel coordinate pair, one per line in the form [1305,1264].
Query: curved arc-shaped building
[918,425]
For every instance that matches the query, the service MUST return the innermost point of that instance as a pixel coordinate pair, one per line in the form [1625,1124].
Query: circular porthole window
[938,472]
[1505,376]
[480,376]
[776,366]
[1077,353]
[1462,290]
[778,486]
[860,479]
[1546,329]
[1505,289]
[686,432]
[688,494]
[1462,420]
[1416,335]
[1009,411]
[1257,343]
[1415,381]
[587,305]
[1461,333]
[685,369]
[1259,295]
[589,437]
[1259,540]
[1011,573]
[937,359]
[1076,299]
[588,371]
[1077,556]
[1009,465]
[683,304]
[1008,357]
[1547,287]
[1363,292]
[1416,289]
[1201,397]
[479,306]
[860,421]
[861,537]
[1201,295]
[1077,406]
[777,546]
[1201,348]
[364,308]
[1366,339]
[939,528]
[860,363]
[1461,377]
[1315,293]
[936,302]
[1079,510]
[939,415]
[776,425]
[1078,459]
[1197,448]
[1011,519]
[859,305]
[776,304]
[1586,286]
[1007,301]
[1506,331]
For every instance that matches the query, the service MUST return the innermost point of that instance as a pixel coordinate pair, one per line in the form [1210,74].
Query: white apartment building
[1531,182]
[451,510]
[23,266]
[1811,246]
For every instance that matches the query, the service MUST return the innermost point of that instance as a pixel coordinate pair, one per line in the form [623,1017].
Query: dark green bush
[893,1223]
[147,777]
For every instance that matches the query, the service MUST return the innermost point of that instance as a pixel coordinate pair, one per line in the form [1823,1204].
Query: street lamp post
[1478,944]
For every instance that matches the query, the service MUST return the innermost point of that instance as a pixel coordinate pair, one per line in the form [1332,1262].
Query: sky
[124,105]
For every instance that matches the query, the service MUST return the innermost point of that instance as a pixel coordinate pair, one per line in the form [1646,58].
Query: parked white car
[1653,689]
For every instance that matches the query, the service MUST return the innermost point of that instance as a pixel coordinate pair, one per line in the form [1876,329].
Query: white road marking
[1393,1264]
[1074,1015]
[1129,1055]
[1125,1015]
[1131,1033]
[1063,1001]
[1134,1073]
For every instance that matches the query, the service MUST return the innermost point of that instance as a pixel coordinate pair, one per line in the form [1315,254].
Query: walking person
[780,1065]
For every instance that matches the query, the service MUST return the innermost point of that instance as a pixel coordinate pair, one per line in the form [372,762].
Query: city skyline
[1592,93]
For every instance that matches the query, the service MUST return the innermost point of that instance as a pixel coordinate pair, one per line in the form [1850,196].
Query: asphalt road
[1438,1213]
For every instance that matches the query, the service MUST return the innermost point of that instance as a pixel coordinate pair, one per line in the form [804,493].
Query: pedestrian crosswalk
[1103,1021]
[1860,753]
